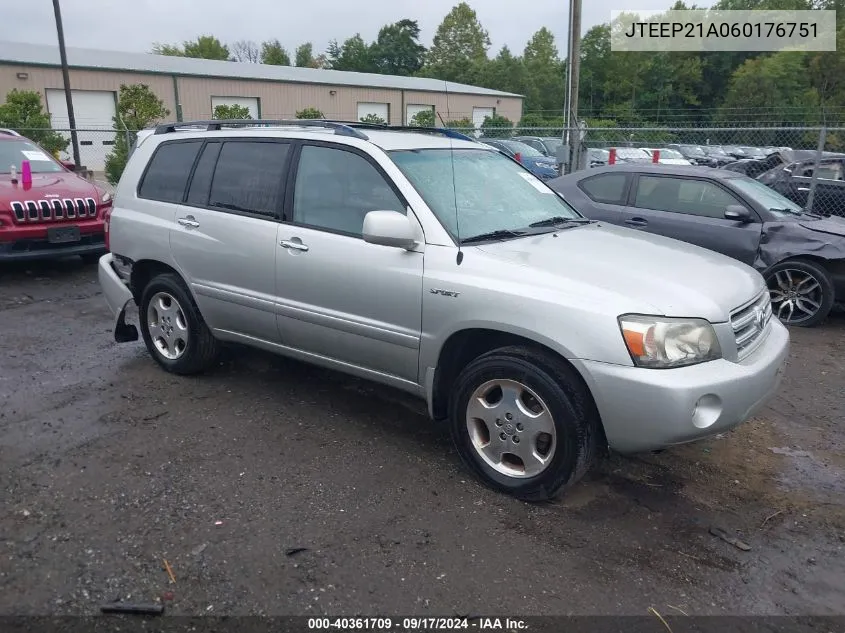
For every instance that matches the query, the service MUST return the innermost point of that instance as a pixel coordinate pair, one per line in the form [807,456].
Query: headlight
[105,197]
[662,343]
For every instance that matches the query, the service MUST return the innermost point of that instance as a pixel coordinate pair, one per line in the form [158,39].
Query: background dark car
[695,154]
[718,155]
[793,181]
[541,166]
[802,257]
[546,145]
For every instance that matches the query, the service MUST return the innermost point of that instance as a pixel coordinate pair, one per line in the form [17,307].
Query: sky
[135,25]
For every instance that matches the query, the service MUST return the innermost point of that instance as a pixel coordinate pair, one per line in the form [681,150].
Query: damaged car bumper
[118,296]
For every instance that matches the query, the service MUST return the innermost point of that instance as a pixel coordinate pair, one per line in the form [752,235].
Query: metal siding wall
[277,99]
[41,78]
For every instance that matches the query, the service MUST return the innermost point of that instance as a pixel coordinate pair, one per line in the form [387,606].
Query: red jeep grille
[54,209]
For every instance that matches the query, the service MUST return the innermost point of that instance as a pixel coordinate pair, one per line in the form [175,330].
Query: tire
[180,320]
[548,384]
[802,292]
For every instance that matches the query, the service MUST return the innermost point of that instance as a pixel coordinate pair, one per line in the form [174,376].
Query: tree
[373,118]
[204,47]
[497,126]
[423,118]
[137,108]
[274,54]
[504,72]
[460,46]
[24,113]
[460,124]
[397,50]
[309,113]
[233,111]
[246,51]
[304,57]
[544,70]
[354,55]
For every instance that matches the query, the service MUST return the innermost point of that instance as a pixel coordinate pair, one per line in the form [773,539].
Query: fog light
[707,411]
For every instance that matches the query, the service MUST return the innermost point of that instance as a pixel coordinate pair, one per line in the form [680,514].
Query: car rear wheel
[801,291]
[523,422]
[173,328]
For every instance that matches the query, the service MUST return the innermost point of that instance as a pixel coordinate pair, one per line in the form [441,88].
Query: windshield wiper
[499,234]
[554,221]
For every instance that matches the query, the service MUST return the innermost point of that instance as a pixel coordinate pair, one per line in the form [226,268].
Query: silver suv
[429,262]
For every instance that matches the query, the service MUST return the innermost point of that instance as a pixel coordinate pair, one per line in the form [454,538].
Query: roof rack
[408,128]
[341,129]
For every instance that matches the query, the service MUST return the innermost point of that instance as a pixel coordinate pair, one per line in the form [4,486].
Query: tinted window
[609,188]
[249,177]
[168,172]
[201,182]
[682,195]
[335,189]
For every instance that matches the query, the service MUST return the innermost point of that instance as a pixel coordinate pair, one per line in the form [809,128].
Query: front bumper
[28,250]
[117,296]
[647,409]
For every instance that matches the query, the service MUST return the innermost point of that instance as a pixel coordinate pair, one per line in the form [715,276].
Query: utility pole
[71,119]
[572,82]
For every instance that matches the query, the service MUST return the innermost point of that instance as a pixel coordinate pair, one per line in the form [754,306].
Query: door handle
[188,222]
[636,222]
[803,188]
[297,246]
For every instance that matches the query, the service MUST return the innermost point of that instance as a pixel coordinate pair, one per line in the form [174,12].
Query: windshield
[520,148]
[486,192]
[552,144]
[716,151]
[778,205]
[692,150]
[14,152]
[670,153]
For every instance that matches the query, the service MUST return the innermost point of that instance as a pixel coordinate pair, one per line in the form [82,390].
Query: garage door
[381,110]
[411,110]
[94,113]
[479,114]
[250,103]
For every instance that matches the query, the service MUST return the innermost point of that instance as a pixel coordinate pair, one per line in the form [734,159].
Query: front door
[338,296]
[693,210]
[225,239]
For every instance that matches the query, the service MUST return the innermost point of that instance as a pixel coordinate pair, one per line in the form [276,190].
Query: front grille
[54,209]
[750,322]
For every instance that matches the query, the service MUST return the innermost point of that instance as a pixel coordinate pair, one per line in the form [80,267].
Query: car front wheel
[801,291]
[524,422]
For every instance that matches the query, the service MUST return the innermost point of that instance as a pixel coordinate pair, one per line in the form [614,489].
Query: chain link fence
[804,164]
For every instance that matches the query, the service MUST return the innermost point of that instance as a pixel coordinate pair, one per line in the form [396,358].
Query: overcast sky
[135,25]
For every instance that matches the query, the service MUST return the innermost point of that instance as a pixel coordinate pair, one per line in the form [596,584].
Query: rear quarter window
[168,172]
[606,188]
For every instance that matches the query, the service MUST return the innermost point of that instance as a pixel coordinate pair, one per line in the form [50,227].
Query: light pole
[71,119]
[573,65]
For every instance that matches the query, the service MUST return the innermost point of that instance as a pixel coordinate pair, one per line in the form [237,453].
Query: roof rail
[8,132]
[341,129]
[409,128]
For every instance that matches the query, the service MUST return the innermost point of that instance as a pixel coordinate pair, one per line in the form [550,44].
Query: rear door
[606,196]
[225,240]
[693,210]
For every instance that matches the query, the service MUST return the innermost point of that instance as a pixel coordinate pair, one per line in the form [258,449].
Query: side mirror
[69,164]
[738,213]
[389,228]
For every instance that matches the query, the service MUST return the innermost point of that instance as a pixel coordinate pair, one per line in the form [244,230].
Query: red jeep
[60,213]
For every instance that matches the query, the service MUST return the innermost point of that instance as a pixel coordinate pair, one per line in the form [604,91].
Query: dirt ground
[271,487]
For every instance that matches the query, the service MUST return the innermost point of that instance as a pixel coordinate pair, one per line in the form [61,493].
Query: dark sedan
[801,256]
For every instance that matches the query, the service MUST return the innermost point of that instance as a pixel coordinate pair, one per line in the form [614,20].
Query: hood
[832,225]
[60,184]
[674,161]
[634,271]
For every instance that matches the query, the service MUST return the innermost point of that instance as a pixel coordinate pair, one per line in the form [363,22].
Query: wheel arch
[467,344]
[144,270]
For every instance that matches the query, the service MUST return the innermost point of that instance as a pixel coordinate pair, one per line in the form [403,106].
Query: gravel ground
[271,487]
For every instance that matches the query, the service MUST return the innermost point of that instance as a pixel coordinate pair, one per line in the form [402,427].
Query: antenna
[460,256]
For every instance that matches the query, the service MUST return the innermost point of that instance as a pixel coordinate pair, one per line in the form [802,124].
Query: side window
[168,172]
[682,195]
[250,177]
[201,182]
[826,171]
[335,189]
[607,188]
